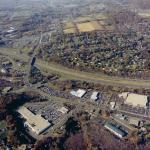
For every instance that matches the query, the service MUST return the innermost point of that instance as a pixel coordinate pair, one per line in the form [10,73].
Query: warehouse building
[135,100]
[3,70]
[134,121]
[94,96]
[34,122]
[112,128]
[6,90]
[63,110]
[79,93]
[112,105]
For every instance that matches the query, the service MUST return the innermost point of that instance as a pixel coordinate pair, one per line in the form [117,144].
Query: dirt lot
[144,14]
[70,30]
[83,19]
[68,25]
[89,26]
[86,24]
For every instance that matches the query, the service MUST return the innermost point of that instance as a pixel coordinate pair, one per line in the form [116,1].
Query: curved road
[79,75]
[93,77]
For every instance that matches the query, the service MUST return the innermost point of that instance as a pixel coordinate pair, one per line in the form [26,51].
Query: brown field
[110,28]
[83,19]
[89,26]
[100,16]
[68,25]
[144,14]
[102,22]
[96,25]
[70,30]
[86,24]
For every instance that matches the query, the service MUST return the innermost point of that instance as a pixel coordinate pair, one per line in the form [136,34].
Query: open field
[89,26]
[86,24]
[83,27]
[107,27]
[144,14]
[68,25]
[100,16]
[83,19]
[96,25]
[102,22]
[70,30]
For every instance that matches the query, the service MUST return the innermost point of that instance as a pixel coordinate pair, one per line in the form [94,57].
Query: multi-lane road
[78,75]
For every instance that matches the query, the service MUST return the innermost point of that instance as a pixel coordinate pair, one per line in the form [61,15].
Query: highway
[79,75]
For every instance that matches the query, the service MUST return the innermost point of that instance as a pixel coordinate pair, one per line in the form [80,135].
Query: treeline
[8,103]
[75,84]
[16,133]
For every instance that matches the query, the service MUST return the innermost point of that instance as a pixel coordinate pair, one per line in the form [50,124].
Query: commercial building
[79,93]
[112,105]
[34,122]
[94,96]
[112,128]
[63,110]
[3,70]
[74,93]
[7,89]
[121,116]
[134,121]
[11,30]
[6,63]
[136,100]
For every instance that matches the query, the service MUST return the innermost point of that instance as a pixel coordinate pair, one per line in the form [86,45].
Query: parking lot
[48,110]
[53,92]
[63,94]
[136,110]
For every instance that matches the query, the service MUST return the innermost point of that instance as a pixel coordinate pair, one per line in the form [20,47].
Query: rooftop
[134,99]
[115,130]
[37,123]
[134,121]
[63,110]
[3,70]
[7,89]
[94,95]
[79,93]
